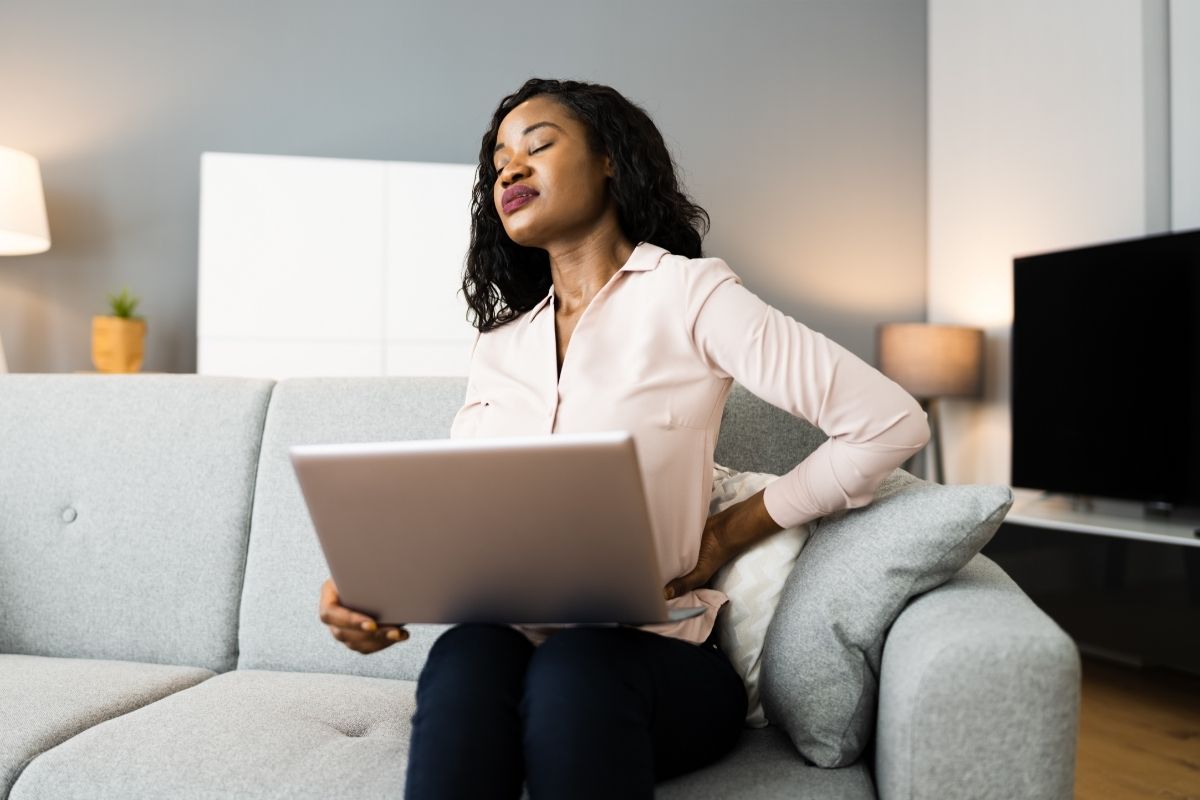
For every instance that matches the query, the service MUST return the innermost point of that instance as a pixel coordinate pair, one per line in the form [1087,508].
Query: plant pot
[118,343]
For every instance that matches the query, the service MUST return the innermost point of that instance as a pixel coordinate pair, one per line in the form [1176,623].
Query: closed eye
[500,168]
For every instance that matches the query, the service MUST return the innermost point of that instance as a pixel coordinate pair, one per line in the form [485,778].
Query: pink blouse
[656,353]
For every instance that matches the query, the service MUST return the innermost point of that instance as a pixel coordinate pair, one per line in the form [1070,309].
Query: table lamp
[933,361]
[23,227]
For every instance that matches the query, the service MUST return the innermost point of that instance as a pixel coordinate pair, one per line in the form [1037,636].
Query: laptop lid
[539,529]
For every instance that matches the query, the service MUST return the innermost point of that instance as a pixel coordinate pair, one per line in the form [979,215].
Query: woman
[583,245]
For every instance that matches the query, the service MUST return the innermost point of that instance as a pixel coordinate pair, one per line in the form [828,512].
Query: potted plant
[118,341]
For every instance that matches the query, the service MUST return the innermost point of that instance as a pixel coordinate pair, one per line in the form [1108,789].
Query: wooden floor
[1139,733]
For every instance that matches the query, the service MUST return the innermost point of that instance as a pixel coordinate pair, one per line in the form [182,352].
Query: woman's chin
[523,237]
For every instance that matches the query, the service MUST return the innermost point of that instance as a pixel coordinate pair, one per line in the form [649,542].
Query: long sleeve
[873,424]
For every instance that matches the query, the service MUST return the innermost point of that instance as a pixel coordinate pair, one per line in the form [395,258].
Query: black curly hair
[503,279]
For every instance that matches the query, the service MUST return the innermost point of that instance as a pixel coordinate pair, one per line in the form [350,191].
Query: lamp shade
[931,360]
[23,226]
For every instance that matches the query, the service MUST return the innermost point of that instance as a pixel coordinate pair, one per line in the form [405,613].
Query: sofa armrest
[978,695]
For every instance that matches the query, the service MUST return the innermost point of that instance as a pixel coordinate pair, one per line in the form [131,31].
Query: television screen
[1106,370]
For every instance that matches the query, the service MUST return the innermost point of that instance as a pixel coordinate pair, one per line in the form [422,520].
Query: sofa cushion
[753,581]
[245,733]
[764,764]
[285,567]
[821,656]
[254,733]
[124,514]
[45,701]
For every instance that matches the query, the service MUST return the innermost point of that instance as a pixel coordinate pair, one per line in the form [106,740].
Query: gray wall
[799,126]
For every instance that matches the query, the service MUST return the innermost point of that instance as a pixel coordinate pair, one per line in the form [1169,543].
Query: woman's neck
[581,270]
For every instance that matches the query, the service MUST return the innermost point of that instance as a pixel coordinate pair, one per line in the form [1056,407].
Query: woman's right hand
[357,631]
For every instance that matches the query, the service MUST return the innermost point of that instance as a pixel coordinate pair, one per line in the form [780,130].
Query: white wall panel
[286,358]
[415,357]
[428,227]
[1185,114]
[325,266]
[290,247]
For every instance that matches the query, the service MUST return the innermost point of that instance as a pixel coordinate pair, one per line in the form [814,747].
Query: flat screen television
[1105,389]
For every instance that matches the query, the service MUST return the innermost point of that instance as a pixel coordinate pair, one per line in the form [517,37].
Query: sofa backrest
[124,511]
[279,627]
[759,437]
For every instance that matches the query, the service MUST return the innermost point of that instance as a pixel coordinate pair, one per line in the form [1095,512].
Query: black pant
[591,712]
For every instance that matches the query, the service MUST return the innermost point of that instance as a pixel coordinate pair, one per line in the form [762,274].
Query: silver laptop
[539,529]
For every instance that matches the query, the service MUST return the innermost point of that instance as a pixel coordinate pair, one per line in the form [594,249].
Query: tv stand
[1101,516]
[1127,589]
[1152,508]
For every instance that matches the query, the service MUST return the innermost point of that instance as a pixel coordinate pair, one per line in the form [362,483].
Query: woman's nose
[511,172]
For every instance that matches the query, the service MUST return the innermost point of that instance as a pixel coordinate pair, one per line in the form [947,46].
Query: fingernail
[368,626]
[394,635]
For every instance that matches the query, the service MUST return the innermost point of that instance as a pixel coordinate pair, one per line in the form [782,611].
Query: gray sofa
[159,635]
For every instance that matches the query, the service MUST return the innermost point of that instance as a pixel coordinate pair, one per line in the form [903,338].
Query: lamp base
[936,474]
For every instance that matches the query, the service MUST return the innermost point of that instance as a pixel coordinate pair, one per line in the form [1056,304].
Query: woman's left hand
[726,533]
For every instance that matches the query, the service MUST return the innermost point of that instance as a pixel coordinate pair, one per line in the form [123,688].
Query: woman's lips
[517,202]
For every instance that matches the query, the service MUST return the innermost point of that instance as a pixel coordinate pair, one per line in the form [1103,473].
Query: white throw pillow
[753,581]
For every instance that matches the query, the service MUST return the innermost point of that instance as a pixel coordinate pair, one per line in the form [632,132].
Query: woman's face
[542,151]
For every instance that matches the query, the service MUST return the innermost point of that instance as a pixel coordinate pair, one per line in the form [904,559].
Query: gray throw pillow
[820,663]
